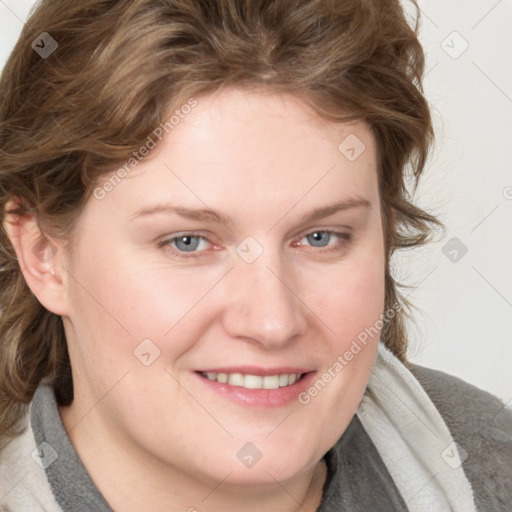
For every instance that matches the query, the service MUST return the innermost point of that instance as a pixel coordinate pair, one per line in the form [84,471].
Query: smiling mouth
[254,381]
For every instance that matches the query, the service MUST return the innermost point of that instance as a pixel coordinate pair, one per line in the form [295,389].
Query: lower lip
[264,398]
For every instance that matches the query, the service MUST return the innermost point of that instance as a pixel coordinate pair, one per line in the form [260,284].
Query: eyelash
[344,237]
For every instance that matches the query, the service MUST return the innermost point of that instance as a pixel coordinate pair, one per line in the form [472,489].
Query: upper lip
[253,370]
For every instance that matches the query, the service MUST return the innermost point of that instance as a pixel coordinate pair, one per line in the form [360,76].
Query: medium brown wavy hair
[74,116]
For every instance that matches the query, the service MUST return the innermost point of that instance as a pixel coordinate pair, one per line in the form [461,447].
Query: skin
[157,437]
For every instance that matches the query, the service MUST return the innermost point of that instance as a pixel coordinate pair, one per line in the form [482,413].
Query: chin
[265,473]
[265,461]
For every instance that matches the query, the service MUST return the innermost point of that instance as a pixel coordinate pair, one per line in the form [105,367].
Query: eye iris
[316,237]
[190,243]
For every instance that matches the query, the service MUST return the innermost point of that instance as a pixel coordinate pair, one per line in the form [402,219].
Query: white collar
[413,439]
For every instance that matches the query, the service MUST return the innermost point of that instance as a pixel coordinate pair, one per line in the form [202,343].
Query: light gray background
[465,323]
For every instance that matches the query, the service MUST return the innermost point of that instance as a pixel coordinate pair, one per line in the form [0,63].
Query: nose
[263,306]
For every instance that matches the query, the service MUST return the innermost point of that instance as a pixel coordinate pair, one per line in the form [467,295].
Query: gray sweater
[357,478]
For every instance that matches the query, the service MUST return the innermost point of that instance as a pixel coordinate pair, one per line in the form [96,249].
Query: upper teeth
[254,381]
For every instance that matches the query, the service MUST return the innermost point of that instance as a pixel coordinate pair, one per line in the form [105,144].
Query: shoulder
[23,482]
[481,425]
[465,404]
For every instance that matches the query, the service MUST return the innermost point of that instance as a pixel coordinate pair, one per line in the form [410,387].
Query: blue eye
[319,238]
[190,245]
[187,243]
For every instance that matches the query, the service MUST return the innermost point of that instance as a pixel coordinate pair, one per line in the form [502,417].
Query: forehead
[258,148]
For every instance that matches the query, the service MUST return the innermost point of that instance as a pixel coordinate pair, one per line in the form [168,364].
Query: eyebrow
[215,216]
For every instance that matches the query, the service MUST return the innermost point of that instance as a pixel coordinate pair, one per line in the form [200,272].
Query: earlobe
[39,260]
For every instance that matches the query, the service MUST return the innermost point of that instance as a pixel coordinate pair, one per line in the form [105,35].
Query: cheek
[349,297]
[118,302]
[359,298]
[350,303]
[351,306]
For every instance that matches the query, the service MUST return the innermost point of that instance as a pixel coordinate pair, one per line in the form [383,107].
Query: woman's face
[246,247]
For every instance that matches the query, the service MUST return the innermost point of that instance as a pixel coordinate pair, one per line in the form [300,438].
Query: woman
[200,200]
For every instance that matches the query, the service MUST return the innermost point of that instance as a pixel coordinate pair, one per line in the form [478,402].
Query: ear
[39,258]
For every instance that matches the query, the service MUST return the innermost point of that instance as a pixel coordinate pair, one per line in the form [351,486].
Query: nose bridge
[263,306]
